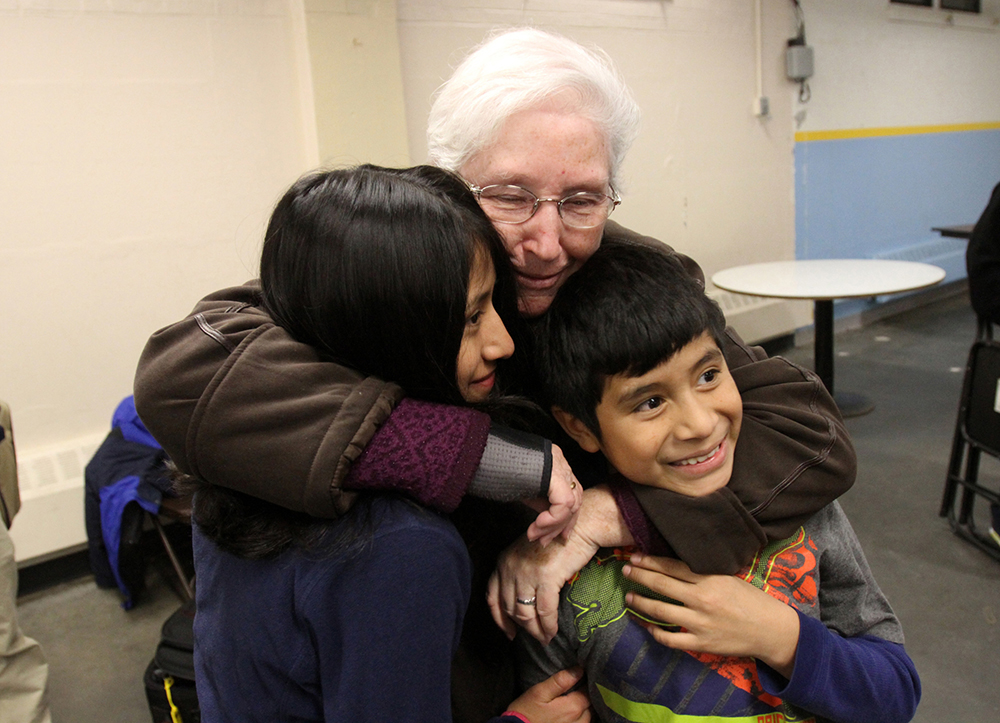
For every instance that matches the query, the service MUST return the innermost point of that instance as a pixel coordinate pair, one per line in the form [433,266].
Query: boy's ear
[576,429]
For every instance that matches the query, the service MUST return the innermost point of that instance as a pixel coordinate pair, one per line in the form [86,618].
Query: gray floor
[946,592]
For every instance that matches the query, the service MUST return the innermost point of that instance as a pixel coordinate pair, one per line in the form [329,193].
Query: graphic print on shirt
[650,682]
[598,591]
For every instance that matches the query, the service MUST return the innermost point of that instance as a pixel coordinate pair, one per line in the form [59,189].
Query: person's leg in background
[23,670]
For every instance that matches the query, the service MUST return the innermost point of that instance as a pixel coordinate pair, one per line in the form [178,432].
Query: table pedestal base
[853,405]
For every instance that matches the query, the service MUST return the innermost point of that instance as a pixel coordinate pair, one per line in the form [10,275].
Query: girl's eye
[475,318]
[649,405]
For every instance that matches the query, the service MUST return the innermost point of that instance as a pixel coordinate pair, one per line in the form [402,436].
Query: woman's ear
[576,429]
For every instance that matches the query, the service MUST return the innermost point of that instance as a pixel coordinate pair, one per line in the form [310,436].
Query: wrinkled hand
[558,514]
[720,614]
[550,701]
[528,571]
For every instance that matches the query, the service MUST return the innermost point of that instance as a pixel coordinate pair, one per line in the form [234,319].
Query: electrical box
[798,62]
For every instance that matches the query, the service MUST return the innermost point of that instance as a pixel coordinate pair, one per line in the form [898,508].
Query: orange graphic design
[786,570]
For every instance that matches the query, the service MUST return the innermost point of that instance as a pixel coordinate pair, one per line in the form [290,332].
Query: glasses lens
[507,204]
[585,210]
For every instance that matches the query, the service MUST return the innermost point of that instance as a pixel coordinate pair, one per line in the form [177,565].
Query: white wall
[141,149]
[888,66]
[140,153]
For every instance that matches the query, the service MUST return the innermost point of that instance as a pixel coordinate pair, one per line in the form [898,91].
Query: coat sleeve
[793,458]
[982,260]
[234,400]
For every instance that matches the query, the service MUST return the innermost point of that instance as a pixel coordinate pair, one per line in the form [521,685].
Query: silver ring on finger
[526,601]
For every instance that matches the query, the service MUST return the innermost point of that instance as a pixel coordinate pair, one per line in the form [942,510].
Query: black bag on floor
[169,679]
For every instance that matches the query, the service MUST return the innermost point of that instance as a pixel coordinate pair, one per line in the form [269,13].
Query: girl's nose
[499,345]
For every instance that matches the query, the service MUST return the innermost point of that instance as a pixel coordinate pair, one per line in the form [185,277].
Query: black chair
[977,431]
[179,510]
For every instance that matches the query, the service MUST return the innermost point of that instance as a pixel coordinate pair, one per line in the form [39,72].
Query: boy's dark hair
[627,310]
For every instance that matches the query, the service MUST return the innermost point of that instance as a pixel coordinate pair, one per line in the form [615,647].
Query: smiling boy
[630,358]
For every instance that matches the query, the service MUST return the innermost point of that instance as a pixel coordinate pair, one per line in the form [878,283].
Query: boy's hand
[528,571]
[558,514]
[720,614]
[550,701]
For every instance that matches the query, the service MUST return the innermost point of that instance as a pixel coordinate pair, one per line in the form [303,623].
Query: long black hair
[370,266]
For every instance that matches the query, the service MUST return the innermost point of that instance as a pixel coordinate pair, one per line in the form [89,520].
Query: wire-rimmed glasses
[513,204]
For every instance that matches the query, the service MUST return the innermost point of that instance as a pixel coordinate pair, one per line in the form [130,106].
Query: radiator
[758,319]
[50,522]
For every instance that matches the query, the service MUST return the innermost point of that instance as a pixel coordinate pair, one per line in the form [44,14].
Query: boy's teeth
[696,460]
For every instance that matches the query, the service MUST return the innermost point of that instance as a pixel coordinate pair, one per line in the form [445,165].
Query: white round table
[822,281]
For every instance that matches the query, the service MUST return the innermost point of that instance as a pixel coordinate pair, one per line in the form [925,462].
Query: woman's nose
[542,233]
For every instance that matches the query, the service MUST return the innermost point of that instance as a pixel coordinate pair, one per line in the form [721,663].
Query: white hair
[519,69]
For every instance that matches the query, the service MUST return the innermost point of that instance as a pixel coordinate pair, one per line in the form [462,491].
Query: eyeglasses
[513,204]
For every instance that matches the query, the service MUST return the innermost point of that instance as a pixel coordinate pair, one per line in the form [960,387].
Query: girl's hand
[719,614]
[558,514]
[551,702]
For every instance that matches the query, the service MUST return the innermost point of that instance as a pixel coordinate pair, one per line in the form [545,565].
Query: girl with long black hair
[397,274]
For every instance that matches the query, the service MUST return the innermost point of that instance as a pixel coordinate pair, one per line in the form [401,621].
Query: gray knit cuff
[515,466]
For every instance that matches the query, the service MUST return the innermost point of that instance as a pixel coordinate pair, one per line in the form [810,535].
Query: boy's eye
[709,376]
[649,405]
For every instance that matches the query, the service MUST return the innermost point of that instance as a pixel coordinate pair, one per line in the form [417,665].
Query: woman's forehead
[544,150]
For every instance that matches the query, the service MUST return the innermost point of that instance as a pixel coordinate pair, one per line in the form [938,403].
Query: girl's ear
[576,429]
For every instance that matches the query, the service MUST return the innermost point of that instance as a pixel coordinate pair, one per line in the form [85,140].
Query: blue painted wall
[862,197]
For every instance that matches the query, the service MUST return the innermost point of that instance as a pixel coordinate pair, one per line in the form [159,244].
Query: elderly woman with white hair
[538,126]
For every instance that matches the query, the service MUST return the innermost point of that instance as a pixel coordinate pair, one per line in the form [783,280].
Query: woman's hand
[558,514]
[719,614]
[550,701]
[528,571]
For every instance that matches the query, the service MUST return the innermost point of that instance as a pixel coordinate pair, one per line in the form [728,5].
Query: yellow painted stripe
[802,136]
[652,713]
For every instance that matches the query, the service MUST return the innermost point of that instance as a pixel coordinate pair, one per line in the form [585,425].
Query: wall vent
[55,468]
[50,522]
[928,252]
[758,319]
[738,303]
[946,253]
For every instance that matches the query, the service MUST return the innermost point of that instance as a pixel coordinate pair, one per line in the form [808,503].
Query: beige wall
[141,150]
[886,66]
[357,83]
